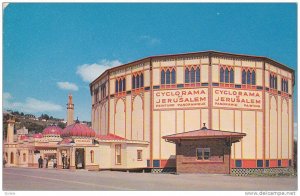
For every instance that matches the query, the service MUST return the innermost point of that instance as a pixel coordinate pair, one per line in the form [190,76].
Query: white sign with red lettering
[234,98]
[180,99]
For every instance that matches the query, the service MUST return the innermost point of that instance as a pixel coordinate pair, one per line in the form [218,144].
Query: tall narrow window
[120,85]
[248,77]
[253,78]
[142,80]
[244,77]
[168,75]
[117,86]
[133,82]
[124,84]
[231,76]
[162,77]
[173,76]
[198,74]
[118,154]
[92,156]
[192,75]
[137,81]
[222,74]
[284,85]
[273,81]
[226,75]
[187,75]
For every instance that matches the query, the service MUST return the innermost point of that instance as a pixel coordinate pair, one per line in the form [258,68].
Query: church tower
[70,111]
[10,129]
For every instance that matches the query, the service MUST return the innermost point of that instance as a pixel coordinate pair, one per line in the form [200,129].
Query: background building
[163,95]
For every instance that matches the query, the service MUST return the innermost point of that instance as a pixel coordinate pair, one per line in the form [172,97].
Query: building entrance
[79,158]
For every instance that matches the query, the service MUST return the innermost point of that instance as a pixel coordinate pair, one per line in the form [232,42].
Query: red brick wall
[186,160]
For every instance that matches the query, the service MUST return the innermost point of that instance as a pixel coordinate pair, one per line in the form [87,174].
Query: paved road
[21,179]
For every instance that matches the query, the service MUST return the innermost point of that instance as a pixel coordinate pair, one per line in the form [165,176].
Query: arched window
[120,85]
[173,76]
[117,86]
[221,74]
[192,75]
[244,77]
[124,84]
[187,75]
[231,76]
[162,77]
[133,82]
[137,81]
[226,75]
[253,78]
[92,156]
[24,157]
[12,158]
[142,80]
[168,77]
[248,77]
[198,74]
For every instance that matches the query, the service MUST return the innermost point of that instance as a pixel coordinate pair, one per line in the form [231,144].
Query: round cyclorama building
[159,96]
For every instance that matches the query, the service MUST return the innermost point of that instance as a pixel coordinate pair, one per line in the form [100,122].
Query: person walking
[40,162]
[63,161]
[46,160]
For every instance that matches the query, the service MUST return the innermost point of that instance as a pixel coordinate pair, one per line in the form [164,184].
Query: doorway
[79,158]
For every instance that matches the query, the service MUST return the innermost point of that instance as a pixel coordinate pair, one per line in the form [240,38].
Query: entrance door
[79,158]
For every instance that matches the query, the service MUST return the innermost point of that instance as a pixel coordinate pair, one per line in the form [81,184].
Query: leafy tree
[61,125]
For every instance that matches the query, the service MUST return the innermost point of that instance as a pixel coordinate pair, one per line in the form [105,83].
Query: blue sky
[51,50]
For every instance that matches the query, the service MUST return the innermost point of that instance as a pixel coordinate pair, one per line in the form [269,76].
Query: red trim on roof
[204,133]
[110,137]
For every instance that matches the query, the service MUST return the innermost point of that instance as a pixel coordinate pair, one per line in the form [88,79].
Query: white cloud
[67,86]
[89,72]
[6,96]
[31,105]
[149,40]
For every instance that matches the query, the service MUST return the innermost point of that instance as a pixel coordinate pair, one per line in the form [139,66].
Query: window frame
[202,157]
[226,75]
[141,155]
[248,78]
[118,147]
[92,156]
[191,73]
[168,78]
[137,80]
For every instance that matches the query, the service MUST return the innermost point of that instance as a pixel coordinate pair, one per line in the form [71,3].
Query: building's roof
[205,133]
[52,130]
[65,141]
[38,135]
[110,137]
[24,137]
[191,54]
[79,130]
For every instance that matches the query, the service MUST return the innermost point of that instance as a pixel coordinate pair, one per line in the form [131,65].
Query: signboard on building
[180,99]
[83,141]
[237,99]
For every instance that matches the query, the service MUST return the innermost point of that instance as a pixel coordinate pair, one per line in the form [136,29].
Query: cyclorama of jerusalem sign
[232,98]
[180,99]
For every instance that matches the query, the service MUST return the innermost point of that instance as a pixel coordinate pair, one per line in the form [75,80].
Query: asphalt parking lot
[26,179]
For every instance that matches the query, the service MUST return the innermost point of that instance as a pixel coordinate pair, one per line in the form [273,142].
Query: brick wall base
[218,163]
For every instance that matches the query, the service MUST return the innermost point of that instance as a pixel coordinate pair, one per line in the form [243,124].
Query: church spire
[70,111]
